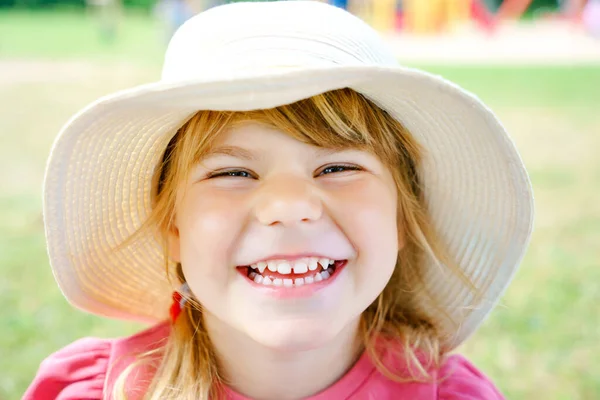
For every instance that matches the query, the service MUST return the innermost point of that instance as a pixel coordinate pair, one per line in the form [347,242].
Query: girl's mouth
[303,272]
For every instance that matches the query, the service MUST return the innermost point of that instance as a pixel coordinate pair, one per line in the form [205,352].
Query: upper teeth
[299,266]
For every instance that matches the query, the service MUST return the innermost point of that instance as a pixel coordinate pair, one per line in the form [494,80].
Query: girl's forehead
[254,140]
[241,129]
[253,134]
[279,129]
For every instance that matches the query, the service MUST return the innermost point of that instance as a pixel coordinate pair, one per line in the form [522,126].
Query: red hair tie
[178,301]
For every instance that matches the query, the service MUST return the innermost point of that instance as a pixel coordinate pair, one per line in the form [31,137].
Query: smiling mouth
[289,274]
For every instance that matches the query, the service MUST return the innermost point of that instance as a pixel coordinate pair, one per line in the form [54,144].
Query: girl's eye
[338,168]
[234,173]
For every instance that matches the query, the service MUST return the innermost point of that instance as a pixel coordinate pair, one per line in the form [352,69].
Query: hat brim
[99,180]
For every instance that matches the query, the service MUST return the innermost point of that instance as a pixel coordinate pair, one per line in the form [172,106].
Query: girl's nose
[288,201]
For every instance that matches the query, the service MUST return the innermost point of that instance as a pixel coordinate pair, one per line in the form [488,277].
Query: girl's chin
[289,337]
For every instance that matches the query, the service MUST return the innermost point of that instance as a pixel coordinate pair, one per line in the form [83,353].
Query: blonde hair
[338,119]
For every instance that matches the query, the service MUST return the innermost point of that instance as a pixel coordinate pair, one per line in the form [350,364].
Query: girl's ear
[173,244]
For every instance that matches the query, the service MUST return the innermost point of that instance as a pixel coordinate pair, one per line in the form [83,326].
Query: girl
[320,222]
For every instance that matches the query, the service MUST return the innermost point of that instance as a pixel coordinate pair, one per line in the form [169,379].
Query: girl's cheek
[367,215]
[209,223]
[205,249]
[368,203]
[210,207]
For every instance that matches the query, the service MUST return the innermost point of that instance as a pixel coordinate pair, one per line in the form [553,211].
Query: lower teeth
[288,282]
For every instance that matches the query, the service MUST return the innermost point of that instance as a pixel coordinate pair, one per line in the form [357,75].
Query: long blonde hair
[188,367]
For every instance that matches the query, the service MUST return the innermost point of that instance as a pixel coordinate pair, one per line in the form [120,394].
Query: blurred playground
[432,31]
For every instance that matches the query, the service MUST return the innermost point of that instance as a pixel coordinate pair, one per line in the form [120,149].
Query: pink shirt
[88,368]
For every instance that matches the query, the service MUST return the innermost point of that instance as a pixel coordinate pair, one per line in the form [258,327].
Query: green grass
[540,343]
[77,34]
[530,86]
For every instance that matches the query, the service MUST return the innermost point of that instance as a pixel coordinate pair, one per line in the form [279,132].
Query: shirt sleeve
[459,379]
[77,371]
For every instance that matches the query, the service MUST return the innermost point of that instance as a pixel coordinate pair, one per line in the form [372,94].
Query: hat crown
[264,37]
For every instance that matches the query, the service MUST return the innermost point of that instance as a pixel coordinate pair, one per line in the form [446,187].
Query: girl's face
[284,242]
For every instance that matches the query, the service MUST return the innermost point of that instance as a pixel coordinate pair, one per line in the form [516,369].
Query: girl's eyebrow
[233,151]
[244,154]
[325,151]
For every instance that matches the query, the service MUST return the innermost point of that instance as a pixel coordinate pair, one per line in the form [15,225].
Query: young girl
[299,217]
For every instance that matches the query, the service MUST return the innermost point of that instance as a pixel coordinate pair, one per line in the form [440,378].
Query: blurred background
[535,62]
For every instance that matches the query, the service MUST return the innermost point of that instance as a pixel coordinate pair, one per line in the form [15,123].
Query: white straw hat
[248,56]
